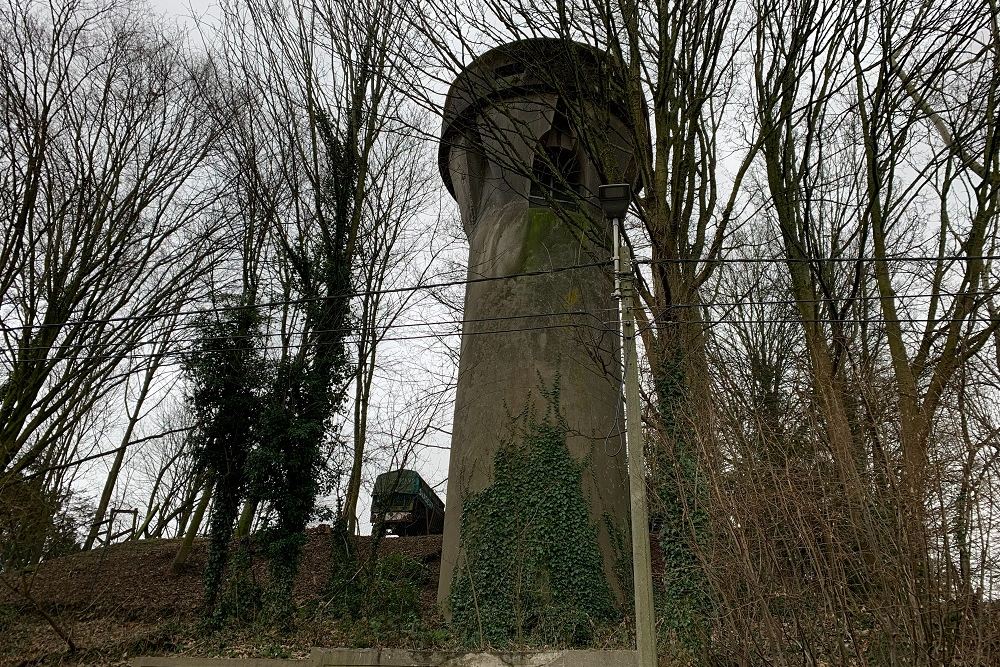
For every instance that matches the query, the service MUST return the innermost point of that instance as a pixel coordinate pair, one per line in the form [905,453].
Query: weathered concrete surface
[345,657]
[495,122]
[185,661]
[402,658]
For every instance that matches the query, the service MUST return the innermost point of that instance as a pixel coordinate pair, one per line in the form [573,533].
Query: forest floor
[124,600]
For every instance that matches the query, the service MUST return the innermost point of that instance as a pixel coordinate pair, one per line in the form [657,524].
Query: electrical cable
[816,260]
[437,336]
[472,281]
[708,304]
[173,353]
[379,328]
[289,302]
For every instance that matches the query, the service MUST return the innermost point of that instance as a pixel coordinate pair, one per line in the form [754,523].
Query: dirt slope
[124,600]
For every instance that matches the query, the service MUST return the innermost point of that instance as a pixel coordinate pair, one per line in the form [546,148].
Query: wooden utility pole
[615,200]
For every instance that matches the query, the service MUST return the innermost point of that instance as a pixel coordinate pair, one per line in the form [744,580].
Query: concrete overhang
[524,68]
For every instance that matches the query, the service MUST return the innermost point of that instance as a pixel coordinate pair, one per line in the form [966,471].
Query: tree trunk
[112,480]
[246,518]
[362,394]
[199,513]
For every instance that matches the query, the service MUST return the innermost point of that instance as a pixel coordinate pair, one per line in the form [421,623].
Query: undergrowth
[376,600]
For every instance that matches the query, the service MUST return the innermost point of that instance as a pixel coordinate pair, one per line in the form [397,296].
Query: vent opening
[555,174]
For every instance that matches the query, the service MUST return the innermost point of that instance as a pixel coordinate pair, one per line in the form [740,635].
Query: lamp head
[615,199]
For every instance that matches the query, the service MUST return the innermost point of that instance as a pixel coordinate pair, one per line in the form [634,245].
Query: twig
[23,592]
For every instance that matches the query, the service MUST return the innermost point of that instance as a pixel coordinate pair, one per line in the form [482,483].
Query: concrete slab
[404,658]
[187,661]
[346,657]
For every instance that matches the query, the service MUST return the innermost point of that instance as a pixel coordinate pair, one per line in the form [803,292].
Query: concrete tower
[513,153]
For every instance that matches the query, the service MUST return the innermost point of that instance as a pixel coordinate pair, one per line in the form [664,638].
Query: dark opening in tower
[555,173]
[556,168]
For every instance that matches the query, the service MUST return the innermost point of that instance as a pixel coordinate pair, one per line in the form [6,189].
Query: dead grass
[124,600]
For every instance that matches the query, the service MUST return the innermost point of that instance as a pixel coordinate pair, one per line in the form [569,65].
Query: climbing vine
[264,424]
[225,371]
[685,605]
[531,572]
[309,387]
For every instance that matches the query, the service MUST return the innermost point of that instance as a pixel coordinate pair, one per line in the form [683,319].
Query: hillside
[125,600]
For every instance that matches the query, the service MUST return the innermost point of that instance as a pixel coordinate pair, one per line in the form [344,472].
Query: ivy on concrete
[531,572]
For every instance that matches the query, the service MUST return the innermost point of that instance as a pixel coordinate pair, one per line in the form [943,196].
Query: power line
[607,327]
[472,281]
[513,330]
[174,353]
[289,302]
[817,260]
[707,304]
[381,328]
[792,320]
[792,302]
[544,327]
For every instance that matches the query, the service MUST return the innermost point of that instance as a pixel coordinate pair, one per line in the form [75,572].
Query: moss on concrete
[545,230]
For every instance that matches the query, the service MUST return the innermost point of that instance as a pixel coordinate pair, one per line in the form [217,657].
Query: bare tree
[106,127]
[882,208]
[339,62]
[139,411]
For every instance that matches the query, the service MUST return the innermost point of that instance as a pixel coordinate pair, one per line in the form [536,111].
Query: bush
[378,600]
[38,523]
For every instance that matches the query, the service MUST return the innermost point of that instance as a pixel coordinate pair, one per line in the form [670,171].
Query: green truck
[404,504]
